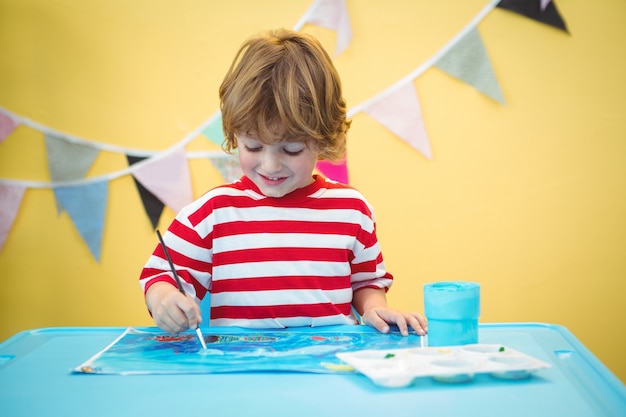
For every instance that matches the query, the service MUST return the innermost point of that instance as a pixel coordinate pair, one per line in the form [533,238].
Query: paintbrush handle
[180,285]
[169,260]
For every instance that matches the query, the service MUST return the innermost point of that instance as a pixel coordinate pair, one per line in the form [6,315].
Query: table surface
[35,380]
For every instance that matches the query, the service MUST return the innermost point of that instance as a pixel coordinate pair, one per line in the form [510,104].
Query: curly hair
[282,85]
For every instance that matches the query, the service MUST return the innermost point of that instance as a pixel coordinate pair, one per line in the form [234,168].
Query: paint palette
[449,364]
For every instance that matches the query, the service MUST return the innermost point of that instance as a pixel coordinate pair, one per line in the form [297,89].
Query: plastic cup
[452,309]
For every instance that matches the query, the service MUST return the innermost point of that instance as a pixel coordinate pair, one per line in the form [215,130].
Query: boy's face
[278,168]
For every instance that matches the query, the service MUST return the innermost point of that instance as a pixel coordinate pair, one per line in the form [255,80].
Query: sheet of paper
[140,352]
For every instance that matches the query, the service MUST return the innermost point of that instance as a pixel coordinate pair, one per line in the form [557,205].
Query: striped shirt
[274,262]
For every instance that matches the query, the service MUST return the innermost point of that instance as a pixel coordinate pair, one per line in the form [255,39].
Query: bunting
[9,205]
[7,126]
[68,160]
[543,11]
[167,178]
[214,130]
[162,177]
[464,57]
[151,204]
[229,168]
[331,14]
[468,61]
[86,205]
[401,113]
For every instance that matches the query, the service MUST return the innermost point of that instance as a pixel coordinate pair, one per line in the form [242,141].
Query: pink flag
[167,178]
[10,200]
[7,126]
[332,14]
[334,171]
[401,113]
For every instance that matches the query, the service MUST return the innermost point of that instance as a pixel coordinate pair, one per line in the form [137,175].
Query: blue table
[35,380]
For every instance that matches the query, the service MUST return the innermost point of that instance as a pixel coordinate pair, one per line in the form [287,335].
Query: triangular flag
[86,206]
[228,166]
[401,113]
[167,178]
[68,160]
[214,131]
[10,200]
[334,171]
[7,126]
[468,61]
[151,204]
[543,11]
[332,14]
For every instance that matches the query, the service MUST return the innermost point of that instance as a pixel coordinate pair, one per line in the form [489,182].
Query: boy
[280,247]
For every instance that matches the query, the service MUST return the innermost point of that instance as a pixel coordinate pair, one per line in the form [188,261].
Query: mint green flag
[468,61]
[214,131]
[68,160]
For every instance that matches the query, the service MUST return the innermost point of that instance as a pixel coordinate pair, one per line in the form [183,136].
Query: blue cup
[452,309]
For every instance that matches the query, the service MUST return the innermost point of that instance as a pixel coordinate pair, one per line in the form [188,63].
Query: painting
[310,350]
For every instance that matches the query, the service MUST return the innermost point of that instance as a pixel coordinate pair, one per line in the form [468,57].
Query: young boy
[280,247]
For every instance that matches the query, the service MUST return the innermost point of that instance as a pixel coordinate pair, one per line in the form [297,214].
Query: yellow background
[528,199]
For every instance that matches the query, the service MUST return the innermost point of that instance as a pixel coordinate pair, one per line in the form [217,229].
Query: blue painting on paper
[314,350]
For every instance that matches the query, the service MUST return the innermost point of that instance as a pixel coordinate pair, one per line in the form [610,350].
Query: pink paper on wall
[335,171]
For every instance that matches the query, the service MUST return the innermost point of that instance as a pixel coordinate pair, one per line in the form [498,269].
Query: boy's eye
[293,152]
[253,148]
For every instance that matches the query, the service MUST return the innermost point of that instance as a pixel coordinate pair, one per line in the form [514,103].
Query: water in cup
[452,309]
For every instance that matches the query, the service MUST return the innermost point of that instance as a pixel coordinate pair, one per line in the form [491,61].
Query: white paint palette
[451,364]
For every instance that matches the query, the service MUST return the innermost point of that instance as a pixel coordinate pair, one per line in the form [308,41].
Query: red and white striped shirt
[274,262]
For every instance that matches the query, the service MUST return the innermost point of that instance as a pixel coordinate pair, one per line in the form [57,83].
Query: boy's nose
[271,163]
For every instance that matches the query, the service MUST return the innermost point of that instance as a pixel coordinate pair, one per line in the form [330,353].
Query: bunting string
[151,155]
[463,57]
[426,65]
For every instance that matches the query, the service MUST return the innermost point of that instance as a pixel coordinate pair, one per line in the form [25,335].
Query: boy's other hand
[381,317]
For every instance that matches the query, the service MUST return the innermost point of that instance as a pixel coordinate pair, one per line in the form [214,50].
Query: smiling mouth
[272,179]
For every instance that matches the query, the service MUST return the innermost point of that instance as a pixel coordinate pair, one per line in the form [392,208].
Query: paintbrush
[180,285]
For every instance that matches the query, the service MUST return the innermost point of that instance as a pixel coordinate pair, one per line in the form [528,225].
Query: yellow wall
[529,199]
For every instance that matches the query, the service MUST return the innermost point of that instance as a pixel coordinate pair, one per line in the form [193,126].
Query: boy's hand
[381,317]
[372,304]
[171,310]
